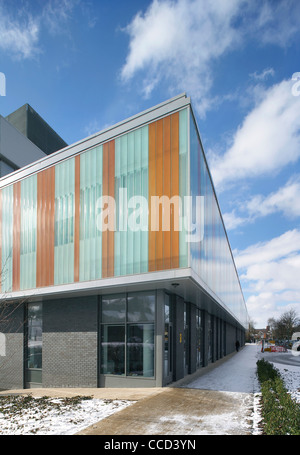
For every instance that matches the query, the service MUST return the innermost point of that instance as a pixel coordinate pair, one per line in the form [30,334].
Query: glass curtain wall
[7,238]
[211,257]
[183,184]
[90,262]
[127,334]
[64,222]
[131,197]
[28,232]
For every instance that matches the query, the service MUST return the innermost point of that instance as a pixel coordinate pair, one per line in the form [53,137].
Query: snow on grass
[236,378]
[25,415]
[291,377]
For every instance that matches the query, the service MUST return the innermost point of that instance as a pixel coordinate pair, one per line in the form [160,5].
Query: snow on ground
[238,374]
[52,416]
[235,377]
[291,377]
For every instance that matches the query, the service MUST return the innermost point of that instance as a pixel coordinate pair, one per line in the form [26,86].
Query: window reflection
[127,336]
[113,349]
[140,350]
[35,337]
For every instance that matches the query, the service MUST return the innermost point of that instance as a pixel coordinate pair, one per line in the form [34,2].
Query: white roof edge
[174,104]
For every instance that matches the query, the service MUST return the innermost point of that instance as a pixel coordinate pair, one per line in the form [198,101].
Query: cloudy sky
[87,64]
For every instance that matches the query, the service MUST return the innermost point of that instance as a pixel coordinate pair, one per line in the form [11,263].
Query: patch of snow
[56,420]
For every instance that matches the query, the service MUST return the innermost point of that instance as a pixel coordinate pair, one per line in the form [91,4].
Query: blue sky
[84,65]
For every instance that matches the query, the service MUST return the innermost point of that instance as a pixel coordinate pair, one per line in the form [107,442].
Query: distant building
[36,129]
[25,138]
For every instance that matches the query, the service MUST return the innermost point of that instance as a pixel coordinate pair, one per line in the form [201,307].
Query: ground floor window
[210,337]
[199,338]
[127,334]
[34,344]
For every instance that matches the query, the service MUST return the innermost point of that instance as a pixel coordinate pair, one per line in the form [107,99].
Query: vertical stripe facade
[16,235]
[167,188]
[77,218]
[45,227]
[56,227]
[108,190]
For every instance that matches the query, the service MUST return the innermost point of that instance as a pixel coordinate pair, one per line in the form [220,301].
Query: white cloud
[263,75]
[269,273]
[268,139]
[180,41]
[277,22]
[20,34]
[266,305]
[232,221]
[19,37]
[274,249]
[57,13]
[285,200]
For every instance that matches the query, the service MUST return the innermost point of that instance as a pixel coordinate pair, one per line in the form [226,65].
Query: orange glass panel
[45,227]
[108,187]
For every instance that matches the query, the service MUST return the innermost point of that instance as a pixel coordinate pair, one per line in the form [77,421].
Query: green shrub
[266,371]
[280,413]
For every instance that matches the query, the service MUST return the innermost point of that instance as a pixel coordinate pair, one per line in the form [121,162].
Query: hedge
[280,413]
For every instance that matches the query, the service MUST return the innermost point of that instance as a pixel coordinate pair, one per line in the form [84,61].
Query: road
[285,358]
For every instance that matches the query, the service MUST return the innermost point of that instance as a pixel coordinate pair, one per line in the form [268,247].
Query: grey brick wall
[11,364]
[70,342]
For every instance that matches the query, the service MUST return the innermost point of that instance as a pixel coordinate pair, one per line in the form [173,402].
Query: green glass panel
[28,232]
[64,222]
[90,257]
[131,197]
[7,238]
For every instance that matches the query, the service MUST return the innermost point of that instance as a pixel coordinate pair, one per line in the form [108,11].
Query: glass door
[186,339]
[168,341]
[33,361]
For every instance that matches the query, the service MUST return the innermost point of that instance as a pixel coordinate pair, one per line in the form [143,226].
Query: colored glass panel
[131,197]
[64,222]
[210,255]
[7,239]
[90,252]
[28,232]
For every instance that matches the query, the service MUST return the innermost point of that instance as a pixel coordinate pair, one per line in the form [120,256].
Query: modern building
[116,261]
[16,150]
[25,137]
[26,120]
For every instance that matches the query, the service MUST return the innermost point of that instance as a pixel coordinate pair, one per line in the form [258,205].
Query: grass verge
[280,413]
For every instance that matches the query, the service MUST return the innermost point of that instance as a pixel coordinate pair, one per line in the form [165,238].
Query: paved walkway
[181,411]
[188,407]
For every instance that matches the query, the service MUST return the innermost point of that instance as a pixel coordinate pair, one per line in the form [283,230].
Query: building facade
[115,260]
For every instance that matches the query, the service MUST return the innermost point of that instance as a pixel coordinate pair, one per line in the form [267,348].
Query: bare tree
[287,323]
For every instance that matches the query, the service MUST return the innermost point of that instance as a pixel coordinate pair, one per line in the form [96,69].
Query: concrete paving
[179,411]
[173,410]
